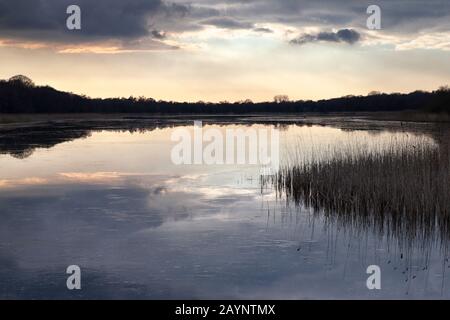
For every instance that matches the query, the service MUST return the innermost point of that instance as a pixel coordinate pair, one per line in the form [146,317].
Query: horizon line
[28,81]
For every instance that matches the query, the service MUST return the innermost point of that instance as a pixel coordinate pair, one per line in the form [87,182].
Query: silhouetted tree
[281,98]
[22,79]
[440,101]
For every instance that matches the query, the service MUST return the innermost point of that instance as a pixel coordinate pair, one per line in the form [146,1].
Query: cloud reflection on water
[140,230]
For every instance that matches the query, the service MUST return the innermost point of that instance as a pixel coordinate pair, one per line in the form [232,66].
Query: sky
[219,50]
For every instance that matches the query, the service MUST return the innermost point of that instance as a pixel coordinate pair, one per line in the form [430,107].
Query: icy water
[106,196]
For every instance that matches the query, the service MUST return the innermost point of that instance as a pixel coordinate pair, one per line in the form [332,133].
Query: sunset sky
[216,50]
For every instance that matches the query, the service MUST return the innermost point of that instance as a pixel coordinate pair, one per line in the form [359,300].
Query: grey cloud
[398,16]
[202,12]
[348,36]
[175,10]
[263,30]
[227,23]
[45,20]
[158,34]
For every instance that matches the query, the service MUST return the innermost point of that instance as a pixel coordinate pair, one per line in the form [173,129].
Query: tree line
[20,95]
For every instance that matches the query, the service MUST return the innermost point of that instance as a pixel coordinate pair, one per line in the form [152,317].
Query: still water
[108,198]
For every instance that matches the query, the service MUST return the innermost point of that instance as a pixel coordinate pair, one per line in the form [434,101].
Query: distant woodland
[20,95]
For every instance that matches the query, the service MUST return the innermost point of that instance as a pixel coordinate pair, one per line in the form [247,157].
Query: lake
[106,195]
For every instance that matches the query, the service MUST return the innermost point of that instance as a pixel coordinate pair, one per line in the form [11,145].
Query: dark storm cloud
[348,36]
[101,19]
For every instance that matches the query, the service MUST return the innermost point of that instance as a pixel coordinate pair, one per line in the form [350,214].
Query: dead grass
[403,191]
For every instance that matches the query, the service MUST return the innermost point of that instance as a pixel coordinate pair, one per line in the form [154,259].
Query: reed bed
[402,191]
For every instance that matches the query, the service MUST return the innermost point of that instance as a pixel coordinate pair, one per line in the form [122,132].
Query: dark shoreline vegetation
[20,95]
[402,193]
[21,134]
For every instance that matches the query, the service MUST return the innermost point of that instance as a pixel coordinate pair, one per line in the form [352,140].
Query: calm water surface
[112,202]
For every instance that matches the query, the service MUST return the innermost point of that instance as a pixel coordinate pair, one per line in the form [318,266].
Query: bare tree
[444,89]
[281,98]
[23,79]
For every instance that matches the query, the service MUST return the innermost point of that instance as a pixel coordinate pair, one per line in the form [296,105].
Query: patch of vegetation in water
[402,192]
